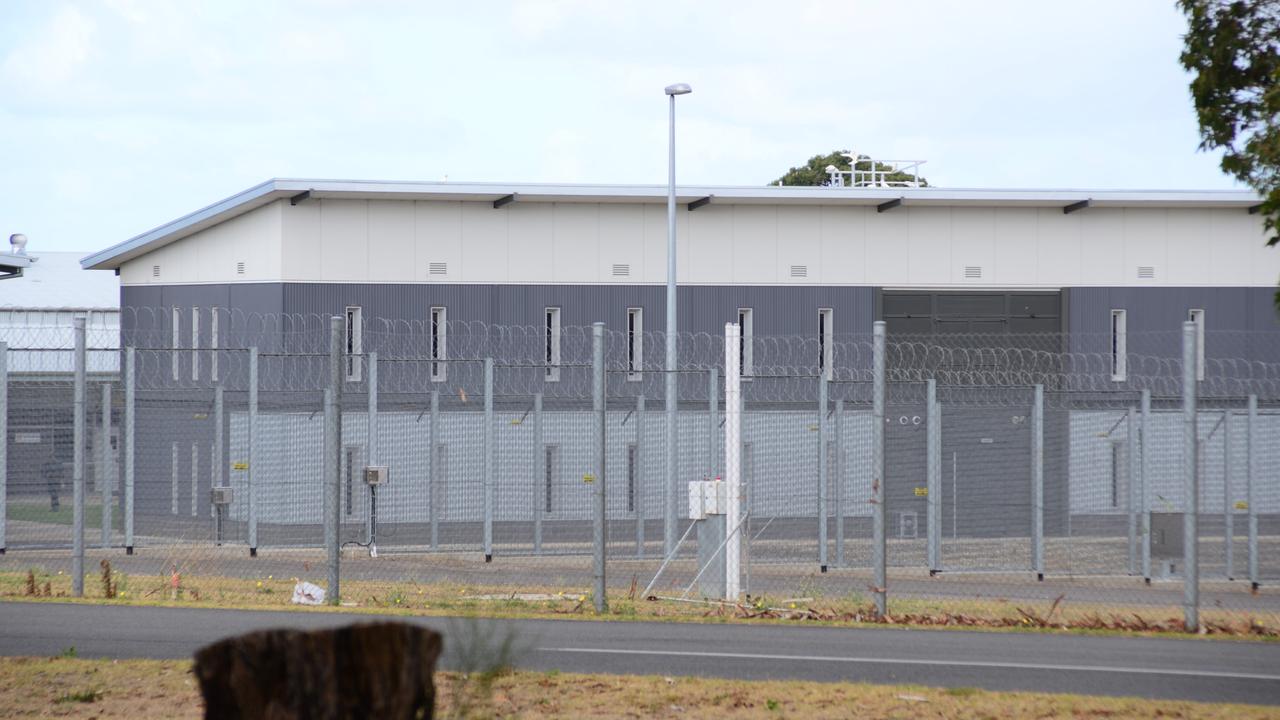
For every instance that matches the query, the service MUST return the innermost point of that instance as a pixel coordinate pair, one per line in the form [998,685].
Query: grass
[140,689]
[39,512]
[410,598]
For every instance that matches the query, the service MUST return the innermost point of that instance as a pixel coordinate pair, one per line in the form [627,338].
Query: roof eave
[271,190]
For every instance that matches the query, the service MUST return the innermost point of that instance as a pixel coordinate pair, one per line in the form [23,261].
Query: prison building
[426,269]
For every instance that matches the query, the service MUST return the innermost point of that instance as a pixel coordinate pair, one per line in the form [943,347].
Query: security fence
[962,474]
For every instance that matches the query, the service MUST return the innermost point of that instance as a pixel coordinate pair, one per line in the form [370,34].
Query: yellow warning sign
[1242,505]
[922,491]
[588,478]
[240,466]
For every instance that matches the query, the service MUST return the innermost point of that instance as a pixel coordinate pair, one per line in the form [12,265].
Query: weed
[80,696]
[31,583]
[962,691]
[771,704]
[68,652]
[108,586]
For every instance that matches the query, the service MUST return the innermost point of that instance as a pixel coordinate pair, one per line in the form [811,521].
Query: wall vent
[239,268]
[438,268]
[1146,272]
[799,271]
[972,272]
[621,270]
[155,271]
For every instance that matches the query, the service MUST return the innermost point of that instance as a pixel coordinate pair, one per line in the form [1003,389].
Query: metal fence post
[1228,521]
[713,423]
[488,459]
[638,477]
[130,435]
[822,470]
[251,475]
[4,443]
[599,531]
[1131,419]
[332,506]
[1251,467]
[838,473]
[104,467]
[216,460]
[1144,478]
[1191,483]
[878,554]
[1037,483]
[732,462]
[433,467]
[371,443]
[539,467]
[933,480]
[77,464]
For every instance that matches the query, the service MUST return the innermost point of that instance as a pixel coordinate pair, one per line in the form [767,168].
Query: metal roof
[283,188]
[13,264]
[56,281]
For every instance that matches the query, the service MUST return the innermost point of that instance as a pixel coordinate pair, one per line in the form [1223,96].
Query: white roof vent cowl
[19,243]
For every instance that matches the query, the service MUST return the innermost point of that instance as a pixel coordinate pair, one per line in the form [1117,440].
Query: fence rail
[921,471]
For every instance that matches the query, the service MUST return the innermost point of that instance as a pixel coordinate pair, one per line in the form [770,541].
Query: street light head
[678,89]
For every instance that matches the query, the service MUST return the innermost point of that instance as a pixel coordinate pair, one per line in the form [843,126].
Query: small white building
[38,307]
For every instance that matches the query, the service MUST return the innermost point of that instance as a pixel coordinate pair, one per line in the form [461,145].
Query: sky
[117,116]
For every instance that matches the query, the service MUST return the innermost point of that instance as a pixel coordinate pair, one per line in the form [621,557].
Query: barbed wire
[416,356]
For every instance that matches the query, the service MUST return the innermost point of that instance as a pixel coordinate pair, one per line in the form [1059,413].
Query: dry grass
[442,598]
[138,689]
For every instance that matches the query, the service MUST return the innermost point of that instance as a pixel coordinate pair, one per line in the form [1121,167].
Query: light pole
[669,520]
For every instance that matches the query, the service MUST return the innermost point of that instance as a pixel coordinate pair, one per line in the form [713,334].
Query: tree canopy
[1232,49]
[814,172]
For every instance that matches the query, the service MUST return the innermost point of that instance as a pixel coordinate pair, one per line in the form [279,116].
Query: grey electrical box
[221,495]
[375,475]
[1166,536]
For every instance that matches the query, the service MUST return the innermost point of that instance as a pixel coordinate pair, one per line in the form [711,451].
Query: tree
[814,172]
[1232,47]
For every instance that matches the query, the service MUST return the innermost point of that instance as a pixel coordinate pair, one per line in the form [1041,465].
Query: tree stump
[381,670]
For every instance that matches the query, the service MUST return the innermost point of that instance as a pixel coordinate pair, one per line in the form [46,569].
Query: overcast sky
[120,115]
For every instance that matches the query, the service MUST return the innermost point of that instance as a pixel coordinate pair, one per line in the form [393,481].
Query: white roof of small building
[301,189]
[56,281]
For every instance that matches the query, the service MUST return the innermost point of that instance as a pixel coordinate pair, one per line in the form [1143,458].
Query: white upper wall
[213,255]
[402,240]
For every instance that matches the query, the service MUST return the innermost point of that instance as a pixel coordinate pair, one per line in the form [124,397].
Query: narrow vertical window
[550,454]
[1197,316]
[553,344]
[348,476]
[1119,346]
[354,342]
[632,472]
[439,349]
[826,341]
[440,481]
[195,344]
[635,343]
[1117,467]
[213,344]
[744,341]
[176,340]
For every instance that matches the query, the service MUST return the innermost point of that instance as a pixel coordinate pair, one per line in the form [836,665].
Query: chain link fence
[994,476]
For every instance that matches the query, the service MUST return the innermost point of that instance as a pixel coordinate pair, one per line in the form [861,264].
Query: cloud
[54,54]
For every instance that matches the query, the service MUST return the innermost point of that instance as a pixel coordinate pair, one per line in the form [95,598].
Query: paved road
[1146,667]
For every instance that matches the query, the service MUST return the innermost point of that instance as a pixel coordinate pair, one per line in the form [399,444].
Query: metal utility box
[707,497]
[1166,536]
[375,475]
[220,496]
